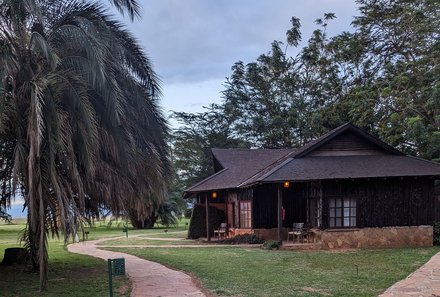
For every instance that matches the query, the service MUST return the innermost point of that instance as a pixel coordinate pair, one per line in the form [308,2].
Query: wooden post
[280,213]
[208,234]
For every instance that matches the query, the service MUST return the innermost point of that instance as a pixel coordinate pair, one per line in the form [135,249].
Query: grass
[224,271]
[146,241]
[254,272]
[150,237]
[69,274]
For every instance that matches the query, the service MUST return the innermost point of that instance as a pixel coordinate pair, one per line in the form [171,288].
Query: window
[342,212]
[245,214]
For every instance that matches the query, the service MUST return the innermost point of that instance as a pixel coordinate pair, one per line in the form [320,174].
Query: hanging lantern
[214,195]
[286,184]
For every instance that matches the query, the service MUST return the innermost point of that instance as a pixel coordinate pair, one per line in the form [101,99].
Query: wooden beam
[208,234]
[280,213]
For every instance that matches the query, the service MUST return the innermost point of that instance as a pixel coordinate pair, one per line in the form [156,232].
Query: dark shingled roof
[245,167]
[238,165]
[319,168]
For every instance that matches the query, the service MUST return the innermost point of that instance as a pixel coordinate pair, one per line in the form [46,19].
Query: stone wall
[386,237]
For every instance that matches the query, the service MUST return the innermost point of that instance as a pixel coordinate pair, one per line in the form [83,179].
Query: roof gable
[345,140]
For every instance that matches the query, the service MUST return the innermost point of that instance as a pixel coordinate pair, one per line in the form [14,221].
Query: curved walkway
[424,282]
[149,279]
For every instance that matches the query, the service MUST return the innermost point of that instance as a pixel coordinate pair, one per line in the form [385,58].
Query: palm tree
[80,126]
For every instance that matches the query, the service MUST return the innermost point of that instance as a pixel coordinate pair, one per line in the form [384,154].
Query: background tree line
[383,76]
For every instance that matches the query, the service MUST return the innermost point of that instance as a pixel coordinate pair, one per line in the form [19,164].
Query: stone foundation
[386,237]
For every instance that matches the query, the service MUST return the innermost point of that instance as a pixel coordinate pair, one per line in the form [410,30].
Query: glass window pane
[332,212]
[245,214]
[347,203]
[352,212]
[353,202]
[346,222]
[332,223]
[338,222]
[338,202]
[332,202]
[353,222]
[346,212]
[339,212]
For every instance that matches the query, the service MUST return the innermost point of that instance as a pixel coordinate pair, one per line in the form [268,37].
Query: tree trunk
[17,256]
[148,223]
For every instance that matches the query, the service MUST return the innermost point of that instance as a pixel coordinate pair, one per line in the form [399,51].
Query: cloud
[197,40]
[194,43]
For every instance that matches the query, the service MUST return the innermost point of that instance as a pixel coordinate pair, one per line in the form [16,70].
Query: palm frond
[130,7]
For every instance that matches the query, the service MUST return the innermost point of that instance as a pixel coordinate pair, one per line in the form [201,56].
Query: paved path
[424,282]
[149,279]
[180,246]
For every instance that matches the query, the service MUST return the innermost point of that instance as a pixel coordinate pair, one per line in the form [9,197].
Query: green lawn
[230,271]
[146,241]
[225,271]
[149,237]
[69,274]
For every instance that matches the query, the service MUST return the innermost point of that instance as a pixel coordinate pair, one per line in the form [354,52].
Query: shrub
[197,224]
[243,239]
[271,244]
[436,233]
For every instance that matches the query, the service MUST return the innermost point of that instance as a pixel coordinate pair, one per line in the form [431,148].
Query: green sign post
[116,267]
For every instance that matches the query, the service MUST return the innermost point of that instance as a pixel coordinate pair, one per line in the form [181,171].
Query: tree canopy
[80,125]
[383,75]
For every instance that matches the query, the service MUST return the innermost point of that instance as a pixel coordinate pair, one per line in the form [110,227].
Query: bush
[243,239]
[197,224]
[271,244]
[188,212]
[436,233]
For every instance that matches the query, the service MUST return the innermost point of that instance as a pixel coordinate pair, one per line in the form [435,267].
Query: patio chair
[222,231]
[297,231]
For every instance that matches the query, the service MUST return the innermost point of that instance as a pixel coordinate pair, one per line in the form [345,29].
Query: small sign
[125,230]
[118,266]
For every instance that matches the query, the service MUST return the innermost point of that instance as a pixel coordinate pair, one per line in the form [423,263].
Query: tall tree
[389,72]
[383,76]
[80,127]
[193,140]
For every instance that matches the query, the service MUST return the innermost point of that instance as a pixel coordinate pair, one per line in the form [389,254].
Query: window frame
[342,212]
[245,214]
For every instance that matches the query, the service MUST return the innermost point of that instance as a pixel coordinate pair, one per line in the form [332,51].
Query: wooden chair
[297,231]
[222,231]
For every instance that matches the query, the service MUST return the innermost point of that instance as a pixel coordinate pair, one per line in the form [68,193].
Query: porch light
[286,184]
[214,195]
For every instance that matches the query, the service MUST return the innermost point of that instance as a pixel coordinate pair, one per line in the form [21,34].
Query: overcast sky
[194,43]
